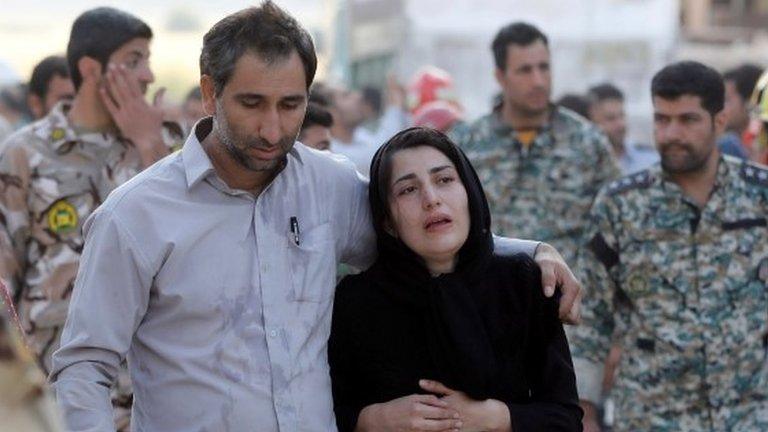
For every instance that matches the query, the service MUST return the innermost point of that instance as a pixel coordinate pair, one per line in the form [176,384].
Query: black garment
[484,329]
[381,345]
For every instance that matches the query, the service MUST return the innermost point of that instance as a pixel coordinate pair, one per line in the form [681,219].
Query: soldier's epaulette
[754,173]
[638,180]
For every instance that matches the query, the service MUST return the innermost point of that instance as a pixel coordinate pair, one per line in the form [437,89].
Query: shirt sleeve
[14,216]
[596,265]
[359,238]
[504,246]
[109,300]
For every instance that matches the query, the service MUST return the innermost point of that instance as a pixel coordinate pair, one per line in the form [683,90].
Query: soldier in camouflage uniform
[677,271]
[56,171]
[541,165]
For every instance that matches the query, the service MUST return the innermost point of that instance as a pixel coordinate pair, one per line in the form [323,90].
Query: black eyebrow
[290,98]
[405,177]
[440,168]
[431,171]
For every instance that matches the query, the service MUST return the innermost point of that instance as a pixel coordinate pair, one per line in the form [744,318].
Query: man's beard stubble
[693,162]
[236,147]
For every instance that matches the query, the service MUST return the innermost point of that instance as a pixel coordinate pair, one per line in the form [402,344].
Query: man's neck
[231,172]
[699,185]
[88,112]
[518,119]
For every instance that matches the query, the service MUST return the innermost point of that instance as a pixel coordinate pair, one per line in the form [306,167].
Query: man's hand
[590,420]
[487,415]
[409,414]
[554,273]
[137,120]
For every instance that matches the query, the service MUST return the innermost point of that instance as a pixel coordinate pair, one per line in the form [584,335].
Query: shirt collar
[197,164]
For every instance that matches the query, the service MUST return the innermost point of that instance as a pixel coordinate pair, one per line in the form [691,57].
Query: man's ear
[720,122]
[498,74]
[35,105]
[90,69]
[208,92]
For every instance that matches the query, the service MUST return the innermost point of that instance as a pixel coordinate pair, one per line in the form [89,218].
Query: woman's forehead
[421,159]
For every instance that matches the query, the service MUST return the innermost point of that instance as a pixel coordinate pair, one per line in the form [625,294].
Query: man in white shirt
[214,270]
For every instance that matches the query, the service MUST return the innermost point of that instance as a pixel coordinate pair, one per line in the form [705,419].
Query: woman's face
[428,204]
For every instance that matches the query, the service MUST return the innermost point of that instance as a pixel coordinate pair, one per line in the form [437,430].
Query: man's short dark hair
[98,33]
[693,79]
[745,77]
[576,103]
[45,71]
[317,115]
[517,33]
[603,92]
[267,31]
[372,96]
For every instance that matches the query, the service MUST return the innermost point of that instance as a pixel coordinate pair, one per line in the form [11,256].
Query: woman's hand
[409,413]
[488,415]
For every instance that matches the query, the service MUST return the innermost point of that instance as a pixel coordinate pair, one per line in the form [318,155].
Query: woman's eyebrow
[439,168]
[405,177]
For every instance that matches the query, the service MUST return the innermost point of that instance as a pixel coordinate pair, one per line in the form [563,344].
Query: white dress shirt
[223,316]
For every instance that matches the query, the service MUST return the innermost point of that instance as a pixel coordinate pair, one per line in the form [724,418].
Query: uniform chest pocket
[312,264]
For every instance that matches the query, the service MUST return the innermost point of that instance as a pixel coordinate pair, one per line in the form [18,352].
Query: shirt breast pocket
[312,264]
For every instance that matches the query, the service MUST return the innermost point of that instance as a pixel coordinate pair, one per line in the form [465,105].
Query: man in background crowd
[606,110]
[739,84]
[350,137]
[316,129]
[49,84]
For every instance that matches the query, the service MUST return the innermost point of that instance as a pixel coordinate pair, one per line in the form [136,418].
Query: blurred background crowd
[424,50]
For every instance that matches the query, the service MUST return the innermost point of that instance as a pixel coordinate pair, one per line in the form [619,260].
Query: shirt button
[273,333]
[264,268]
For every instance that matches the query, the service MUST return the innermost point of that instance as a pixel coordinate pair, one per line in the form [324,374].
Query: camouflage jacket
[683,289]
[544,192]
[51,179]
[26,404]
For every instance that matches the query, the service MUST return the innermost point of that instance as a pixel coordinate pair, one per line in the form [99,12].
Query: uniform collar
[500,127]
[721,179]
[56,129]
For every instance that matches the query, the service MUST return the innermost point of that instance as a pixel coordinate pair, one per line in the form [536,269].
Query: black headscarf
[458,343]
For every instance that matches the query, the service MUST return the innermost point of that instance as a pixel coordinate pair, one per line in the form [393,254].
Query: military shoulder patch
[754,173]
[638,180]
[62,217]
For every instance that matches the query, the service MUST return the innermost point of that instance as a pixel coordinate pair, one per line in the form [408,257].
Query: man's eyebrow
[295,98]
